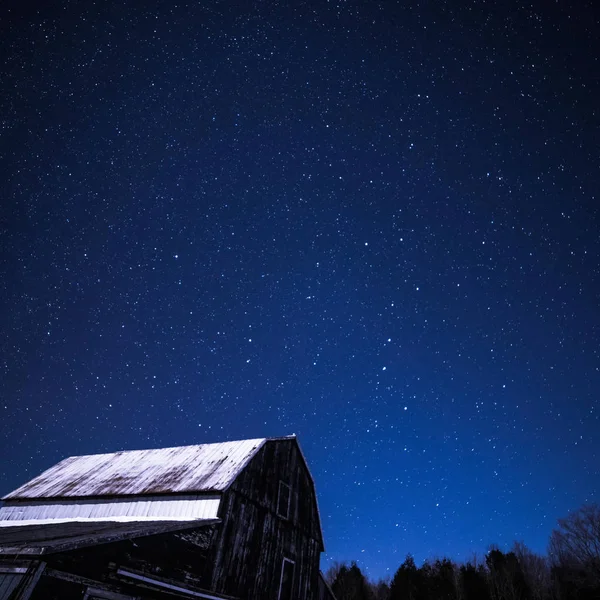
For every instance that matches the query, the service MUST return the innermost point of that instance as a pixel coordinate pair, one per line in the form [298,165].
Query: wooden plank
[8,582]
[34,578]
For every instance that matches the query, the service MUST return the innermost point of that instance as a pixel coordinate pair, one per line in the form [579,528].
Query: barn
[227,520]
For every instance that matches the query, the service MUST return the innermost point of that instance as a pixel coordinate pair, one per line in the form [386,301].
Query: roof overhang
[40,537]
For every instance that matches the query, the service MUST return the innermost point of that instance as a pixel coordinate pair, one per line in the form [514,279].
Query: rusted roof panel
[187,469]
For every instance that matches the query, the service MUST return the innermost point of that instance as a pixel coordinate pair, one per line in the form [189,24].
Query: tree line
[569,571]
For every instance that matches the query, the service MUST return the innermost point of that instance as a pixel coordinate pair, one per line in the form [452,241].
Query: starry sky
[371,224]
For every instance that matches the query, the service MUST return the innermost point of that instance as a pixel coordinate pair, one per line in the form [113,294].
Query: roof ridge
[159,448]
[261,439]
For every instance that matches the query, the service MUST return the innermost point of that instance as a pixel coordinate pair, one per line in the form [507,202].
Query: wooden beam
[106,595]
[16,551]
[13,570]
[170,586]
[86,581]
[6,564]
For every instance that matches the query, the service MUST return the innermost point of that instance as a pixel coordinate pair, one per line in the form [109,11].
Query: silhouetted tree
[380,590]
[440,580]
[574,550]
[506,578]
[570,572]
[536,571]
[473,584]
[407,583]
[333,570]
[351,584]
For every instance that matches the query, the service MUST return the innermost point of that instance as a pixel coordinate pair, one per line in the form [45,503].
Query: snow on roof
[201,468]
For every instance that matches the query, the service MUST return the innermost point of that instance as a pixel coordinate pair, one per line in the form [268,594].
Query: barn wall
[253,540]
[281,460]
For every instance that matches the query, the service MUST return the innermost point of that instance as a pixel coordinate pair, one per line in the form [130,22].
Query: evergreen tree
[473,583]
[380,590]
[441,580]
[407,583]
[351,584]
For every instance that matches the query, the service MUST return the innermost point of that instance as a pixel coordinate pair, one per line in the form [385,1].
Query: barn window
[283,501]
[287,579]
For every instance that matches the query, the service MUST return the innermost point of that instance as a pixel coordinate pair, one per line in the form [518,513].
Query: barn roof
[184,469]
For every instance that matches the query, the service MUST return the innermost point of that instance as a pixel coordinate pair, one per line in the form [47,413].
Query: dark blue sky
[372,224]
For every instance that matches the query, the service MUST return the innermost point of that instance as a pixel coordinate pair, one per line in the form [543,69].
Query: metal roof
[181,507]
[184,469]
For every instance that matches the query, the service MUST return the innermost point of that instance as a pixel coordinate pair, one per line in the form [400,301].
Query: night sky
[373,224]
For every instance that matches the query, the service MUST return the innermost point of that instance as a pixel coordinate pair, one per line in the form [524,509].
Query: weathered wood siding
[8,583]
[254,540]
